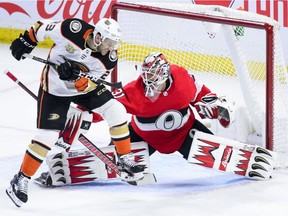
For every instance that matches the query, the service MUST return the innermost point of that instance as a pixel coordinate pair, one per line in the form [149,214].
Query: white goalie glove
[214,107]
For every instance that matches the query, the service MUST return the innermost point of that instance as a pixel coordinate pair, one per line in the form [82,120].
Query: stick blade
[149,178]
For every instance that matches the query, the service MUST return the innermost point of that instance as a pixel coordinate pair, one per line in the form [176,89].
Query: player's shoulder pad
[109,60]
[74,30]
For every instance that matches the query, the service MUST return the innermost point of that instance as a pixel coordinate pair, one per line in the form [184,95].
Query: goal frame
[269,130]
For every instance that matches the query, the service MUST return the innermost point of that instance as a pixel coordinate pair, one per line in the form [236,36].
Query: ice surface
[182,189]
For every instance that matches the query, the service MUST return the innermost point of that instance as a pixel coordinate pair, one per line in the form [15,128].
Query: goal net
[235,53]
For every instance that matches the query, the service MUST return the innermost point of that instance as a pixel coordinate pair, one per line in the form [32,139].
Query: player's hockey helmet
[155,70]
[107,28]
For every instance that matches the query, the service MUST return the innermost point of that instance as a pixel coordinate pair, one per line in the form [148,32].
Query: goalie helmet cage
[235,53]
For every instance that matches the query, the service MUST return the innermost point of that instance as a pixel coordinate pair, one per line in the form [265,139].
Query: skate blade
[16,201]
[149,178]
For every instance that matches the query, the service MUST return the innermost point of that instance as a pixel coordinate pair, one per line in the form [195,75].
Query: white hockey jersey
[69,37]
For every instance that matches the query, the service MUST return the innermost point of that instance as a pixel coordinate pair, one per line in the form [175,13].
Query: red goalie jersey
[166,122]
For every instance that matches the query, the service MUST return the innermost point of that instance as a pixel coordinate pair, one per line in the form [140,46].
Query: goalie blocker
[232,156]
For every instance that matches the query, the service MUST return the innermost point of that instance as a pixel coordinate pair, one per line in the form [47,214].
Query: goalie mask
[108,29]
[155,70]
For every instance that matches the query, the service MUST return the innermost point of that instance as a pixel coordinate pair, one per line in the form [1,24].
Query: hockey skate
[18,190]
[130,170]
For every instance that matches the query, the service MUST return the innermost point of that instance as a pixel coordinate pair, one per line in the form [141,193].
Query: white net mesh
[229,59]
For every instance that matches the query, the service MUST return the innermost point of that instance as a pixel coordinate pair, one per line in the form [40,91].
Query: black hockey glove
[22,45]
[69,71]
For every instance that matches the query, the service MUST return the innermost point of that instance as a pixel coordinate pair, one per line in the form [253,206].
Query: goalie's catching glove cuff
[22,45]
[68,71]
[130,170]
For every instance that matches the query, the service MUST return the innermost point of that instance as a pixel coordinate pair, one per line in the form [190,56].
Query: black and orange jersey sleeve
[76,31]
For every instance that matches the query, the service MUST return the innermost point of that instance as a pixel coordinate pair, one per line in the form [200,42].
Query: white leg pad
[80,166]
[232,156]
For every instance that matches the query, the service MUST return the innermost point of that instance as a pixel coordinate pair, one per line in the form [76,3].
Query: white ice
[182,189]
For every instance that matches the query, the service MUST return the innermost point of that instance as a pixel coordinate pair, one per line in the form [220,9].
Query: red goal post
[217,44]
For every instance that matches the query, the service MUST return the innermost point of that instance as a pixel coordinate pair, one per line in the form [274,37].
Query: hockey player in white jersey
[78,47]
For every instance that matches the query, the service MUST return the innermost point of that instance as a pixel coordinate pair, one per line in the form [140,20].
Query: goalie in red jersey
[161,102]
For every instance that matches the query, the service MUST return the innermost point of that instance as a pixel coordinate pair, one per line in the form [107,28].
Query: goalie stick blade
[42,183]
[44,180]
[149,178]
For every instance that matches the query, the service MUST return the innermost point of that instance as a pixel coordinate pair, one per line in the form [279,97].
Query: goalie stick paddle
[149,178]
[81,74]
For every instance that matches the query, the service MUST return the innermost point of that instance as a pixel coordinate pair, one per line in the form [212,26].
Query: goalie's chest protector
[165,122]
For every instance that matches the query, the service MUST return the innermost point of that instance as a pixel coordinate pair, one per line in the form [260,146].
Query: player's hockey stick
[81,74]
[16,80]
[149,178]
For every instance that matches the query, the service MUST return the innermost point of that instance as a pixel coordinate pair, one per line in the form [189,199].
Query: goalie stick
[81,74]
[97,152]
[149,178]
